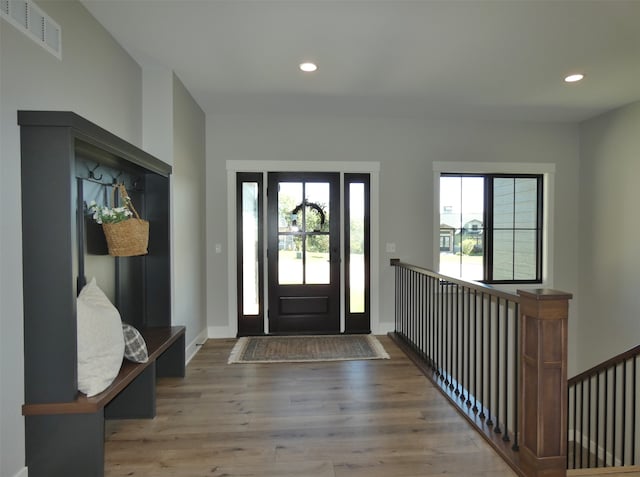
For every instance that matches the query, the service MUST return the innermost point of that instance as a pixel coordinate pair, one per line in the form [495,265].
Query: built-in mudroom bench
[67,162]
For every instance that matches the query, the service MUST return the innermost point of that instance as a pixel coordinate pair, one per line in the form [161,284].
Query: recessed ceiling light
[574,78]
[308,67]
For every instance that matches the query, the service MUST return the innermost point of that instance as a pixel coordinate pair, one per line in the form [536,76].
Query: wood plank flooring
[378,418]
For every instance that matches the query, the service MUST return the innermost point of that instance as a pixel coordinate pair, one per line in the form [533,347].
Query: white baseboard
[384,328]
[599,450]
[221,332]
[24,472]
[194,346]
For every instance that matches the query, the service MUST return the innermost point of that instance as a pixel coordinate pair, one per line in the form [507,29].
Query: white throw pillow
[100,340]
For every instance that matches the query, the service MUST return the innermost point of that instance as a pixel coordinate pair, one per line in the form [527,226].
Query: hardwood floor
[377,418]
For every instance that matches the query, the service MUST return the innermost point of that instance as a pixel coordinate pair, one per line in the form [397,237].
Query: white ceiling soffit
[490,59]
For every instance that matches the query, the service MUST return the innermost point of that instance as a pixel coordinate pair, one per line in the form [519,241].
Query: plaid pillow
[135,349]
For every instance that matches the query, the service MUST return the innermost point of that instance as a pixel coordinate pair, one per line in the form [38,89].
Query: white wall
[188,216]
[406,150]
[96,79]
[609,237]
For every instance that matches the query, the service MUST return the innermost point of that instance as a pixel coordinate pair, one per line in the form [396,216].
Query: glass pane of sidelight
[250,252]
[317,259]
[356,248]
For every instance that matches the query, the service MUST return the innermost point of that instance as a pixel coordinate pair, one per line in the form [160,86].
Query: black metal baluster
[489,363]
[468,319]
[634,402]
[575,423]
[441,326]
[516,384]
[441,331]
[398,303]
[623,433]
[482,387]
[568,425]
[401,301]
[407,301]
[496,411]
[400,293]
[614,401]
[432,283]
[505,434]
[409,307]
[581,422]
[427,320]
[421,317]
[589,421]
[414,309]
[433,317]
[597,434]
[411,310]
[476,372]
[447,333]
[458,336]
[417,327]
[606,415]
[449,337]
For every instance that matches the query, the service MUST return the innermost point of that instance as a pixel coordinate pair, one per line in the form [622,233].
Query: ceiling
[488,59]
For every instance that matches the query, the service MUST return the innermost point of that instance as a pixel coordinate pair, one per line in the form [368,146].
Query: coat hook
[115,178]
[92,173]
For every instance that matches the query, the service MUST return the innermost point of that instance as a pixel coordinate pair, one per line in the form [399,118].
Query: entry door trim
[219,327]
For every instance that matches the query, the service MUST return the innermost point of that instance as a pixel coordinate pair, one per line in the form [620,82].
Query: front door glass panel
[303,233]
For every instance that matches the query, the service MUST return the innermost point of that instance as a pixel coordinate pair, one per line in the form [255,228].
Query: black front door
[303,252]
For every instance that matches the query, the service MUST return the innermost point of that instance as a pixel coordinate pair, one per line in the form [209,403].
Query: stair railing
[499,358]
[604,421]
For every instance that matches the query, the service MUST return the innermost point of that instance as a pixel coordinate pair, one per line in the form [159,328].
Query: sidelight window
[249,249]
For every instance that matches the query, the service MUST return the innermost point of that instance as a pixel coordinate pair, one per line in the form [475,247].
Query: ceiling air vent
[27,17]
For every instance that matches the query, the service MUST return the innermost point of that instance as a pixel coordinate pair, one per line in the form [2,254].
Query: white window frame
[547,170]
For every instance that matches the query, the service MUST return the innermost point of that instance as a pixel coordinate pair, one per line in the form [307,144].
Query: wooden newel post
[544,382]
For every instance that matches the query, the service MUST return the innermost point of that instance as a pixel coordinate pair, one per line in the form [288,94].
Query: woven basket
[129,237]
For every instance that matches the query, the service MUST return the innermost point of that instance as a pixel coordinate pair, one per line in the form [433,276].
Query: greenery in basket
[108,215]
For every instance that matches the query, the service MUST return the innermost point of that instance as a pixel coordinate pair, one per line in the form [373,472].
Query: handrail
[598,368]
[478,286]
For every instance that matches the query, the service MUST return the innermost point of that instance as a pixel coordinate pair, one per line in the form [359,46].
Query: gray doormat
[296,349]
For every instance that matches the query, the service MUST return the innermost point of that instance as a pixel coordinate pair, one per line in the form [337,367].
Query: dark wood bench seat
[158,339]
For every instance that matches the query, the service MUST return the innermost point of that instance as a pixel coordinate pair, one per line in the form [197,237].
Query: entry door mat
[301,349]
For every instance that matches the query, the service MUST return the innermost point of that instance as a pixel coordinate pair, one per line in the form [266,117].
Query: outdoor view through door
[303,240]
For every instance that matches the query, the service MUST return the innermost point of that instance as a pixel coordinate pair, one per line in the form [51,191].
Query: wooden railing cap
[545,294]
